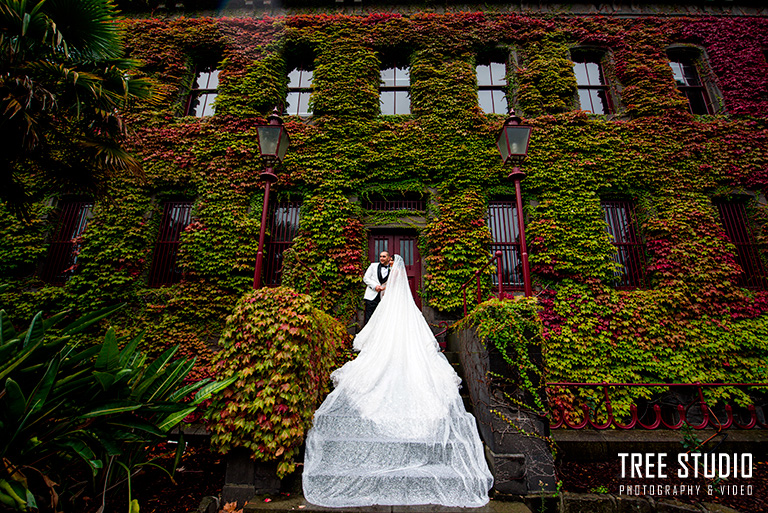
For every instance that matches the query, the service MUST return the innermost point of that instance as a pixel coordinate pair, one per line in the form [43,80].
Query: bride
[394,430]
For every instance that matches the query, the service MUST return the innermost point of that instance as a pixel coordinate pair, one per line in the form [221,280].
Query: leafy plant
[279,350]
[64,402]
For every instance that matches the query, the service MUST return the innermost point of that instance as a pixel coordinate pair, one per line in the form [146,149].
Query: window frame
[489,59]
[698,61]
[600,57]
[512,263]
[752,276]
[73,216]
[197,92]
[299,90]
[280,239]
[166,248]
[394,88]
[627,250]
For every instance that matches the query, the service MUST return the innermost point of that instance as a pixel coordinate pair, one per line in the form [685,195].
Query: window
[621,224]
[65,246]
[284,227]
[502,221]
[491,83]
[734,219]
[393,92]
[200,103]
[685,70]
[176,217]
[414,202]
[592,85]
[299,88]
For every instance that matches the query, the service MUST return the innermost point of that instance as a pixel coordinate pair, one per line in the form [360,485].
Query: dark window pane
[176,217]
[630,250]
[65,245]
[697,101]
[691,74]
[734,219]
[502,222]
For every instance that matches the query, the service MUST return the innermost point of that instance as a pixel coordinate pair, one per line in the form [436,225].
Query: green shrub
[64,402]
[281,349]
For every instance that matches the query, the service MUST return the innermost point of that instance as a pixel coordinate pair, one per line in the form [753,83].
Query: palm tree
[64,87]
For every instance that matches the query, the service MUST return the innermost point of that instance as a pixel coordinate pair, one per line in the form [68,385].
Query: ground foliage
[652,151]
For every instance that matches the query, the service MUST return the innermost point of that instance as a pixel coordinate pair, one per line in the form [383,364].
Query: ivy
[282,350]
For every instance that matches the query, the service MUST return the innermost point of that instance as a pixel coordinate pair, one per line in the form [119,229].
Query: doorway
[403,243]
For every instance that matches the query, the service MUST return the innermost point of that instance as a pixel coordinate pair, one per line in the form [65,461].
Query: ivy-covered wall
[691,323]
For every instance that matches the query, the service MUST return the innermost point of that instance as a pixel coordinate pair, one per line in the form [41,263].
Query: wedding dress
[394,430]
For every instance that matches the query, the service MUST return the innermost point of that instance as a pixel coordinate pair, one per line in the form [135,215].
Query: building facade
[645,204]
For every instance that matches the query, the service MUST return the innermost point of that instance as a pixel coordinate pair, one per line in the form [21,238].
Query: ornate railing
[559,416]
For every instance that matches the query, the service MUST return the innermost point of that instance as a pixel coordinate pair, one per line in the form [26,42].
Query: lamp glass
[517,137]
[269,137]
[282,147]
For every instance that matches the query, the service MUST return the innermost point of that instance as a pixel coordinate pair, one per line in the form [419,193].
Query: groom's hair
[385,251]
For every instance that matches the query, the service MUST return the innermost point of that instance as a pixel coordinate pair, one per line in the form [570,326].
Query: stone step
[426,484]
[361,454]
[354,427]
[296,502]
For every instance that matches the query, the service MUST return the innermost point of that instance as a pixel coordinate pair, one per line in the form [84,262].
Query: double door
[403,244]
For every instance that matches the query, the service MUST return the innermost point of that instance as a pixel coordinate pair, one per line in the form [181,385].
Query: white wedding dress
[394,430]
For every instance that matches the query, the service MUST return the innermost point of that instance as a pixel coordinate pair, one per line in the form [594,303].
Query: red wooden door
[402,244]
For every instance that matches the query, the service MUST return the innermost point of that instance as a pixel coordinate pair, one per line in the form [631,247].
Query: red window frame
[65,246]
[177,215]
[283,228]
[502,221]
[621,223]
[733,217]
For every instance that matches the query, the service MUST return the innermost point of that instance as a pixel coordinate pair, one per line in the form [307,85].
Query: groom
[375,279]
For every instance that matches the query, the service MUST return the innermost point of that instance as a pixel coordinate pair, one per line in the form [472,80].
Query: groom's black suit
[371,304]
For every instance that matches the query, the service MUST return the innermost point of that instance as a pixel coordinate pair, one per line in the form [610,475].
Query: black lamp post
[273,143]
[513,147]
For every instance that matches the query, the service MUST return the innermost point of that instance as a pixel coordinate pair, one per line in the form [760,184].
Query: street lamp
[273,143]
[513,147]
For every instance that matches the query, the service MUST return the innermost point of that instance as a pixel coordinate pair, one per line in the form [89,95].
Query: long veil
[394,430]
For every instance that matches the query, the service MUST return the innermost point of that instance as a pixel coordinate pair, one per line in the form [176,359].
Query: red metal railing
[176,217]
[734,220]
[497,258]
[398,204]
[630,251]
[559,417]
[283,229]
[65,246]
